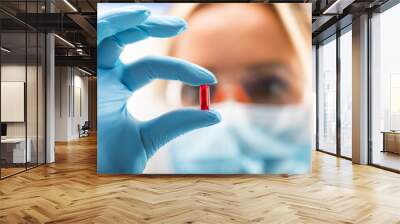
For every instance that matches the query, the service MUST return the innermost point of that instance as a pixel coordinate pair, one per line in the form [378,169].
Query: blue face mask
[250,139]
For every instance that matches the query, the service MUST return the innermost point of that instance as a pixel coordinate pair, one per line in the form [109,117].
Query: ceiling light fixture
[70,5]
[337,7]
[84,71]
[64,40]
[5,50]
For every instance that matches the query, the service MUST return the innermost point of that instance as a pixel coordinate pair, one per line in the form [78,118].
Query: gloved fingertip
[140,14]
[163,26]
[209,77]
[173,21]
[146,12]
[136,10]
[214,116]
[139,11]
[182,25]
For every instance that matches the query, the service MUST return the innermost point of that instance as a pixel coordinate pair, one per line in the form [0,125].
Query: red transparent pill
[204,97]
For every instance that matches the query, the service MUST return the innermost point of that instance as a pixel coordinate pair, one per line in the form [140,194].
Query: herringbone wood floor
[70,191]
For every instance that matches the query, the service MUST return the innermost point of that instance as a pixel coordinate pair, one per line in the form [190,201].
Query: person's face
[248,49]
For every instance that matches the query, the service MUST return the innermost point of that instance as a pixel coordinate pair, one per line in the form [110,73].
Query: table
[391,141]
[13,150]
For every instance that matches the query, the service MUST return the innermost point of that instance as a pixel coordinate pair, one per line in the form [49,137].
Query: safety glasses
[263,85]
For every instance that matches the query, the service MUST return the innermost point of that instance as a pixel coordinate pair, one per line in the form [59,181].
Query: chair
[84,130]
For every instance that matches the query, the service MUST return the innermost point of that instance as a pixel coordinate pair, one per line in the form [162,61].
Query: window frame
[378,10]
[334,37]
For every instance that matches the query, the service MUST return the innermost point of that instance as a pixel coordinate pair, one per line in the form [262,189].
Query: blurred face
[248,49]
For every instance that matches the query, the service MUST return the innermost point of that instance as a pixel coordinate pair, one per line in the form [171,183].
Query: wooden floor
[70,191]
[387,159]
[5,172]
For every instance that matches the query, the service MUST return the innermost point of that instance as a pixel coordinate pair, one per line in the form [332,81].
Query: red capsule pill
[204,97]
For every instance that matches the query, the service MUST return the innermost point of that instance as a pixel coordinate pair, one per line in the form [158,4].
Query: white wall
[70,83]
[61,103]
[14,72]
[81,84]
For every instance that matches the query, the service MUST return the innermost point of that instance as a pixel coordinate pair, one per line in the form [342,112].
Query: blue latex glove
[124,143]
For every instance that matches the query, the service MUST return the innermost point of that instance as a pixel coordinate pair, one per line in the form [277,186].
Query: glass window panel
[346,94]
[13,87]
[385,114]
[314,95]
[327,96]
[32,85]
[22,62]
[41,98]
[32,97]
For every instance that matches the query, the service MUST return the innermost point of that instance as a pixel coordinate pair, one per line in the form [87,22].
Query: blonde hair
[294,17]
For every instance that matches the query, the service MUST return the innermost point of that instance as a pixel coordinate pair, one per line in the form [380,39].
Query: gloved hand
[124,143]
